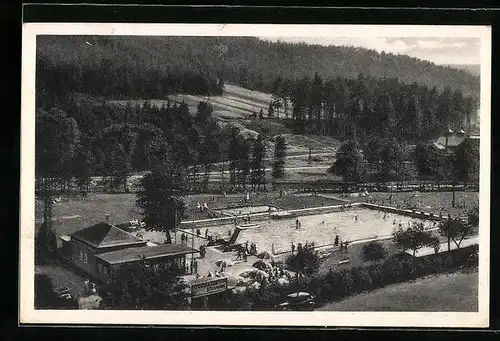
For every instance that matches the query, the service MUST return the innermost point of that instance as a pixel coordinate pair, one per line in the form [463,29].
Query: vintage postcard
[255,175]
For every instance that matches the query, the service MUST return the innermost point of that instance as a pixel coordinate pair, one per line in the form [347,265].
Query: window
[81,255]
[99,268]
[85,258]
[105,270]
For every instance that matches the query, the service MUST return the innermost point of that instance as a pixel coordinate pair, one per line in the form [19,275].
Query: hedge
[335,285]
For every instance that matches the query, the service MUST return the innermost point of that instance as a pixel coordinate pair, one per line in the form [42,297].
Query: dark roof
[453,140]
[149,252]
[103,235]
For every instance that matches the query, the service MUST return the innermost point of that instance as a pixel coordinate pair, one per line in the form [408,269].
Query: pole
[192,247]
[175,226]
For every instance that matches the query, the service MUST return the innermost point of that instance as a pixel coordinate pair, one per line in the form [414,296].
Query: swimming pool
[351,225]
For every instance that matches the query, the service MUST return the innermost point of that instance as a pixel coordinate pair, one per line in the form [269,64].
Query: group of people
[343,244]
[276,273]
[283,192]
[184,238]
[299,247]
[246,250]
[298,224]
[203,207]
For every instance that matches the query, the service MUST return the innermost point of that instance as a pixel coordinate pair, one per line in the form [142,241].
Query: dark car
[298,301]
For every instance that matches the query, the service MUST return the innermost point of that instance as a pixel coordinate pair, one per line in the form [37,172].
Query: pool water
[321,229]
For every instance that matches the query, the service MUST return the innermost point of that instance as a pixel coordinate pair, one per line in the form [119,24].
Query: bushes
[335,285]
[374,251]
[305,261]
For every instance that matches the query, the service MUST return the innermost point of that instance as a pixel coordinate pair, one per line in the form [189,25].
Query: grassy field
[428,201]
[74,214]
[236,102]
[448,292]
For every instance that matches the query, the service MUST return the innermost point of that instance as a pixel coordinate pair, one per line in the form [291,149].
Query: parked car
[63,292]
[299,301]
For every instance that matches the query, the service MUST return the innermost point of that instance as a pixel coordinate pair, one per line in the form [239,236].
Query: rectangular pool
[321,229]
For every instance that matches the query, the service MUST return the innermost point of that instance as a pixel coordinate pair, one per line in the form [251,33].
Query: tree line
[110,141]
[382,160]
[366,106]
[153,67]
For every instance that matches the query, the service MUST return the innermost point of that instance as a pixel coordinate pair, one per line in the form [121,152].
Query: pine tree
[258,155]
[270,110]
[161,208]
[278,171]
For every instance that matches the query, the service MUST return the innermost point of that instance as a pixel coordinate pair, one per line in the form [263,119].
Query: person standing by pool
[297,223]
[336,240]
[356,218]
[293,248]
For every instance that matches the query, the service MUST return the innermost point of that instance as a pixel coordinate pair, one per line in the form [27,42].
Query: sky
[437,50]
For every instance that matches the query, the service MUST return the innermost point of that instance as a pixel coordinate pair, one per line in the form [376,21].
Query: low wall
[410,213]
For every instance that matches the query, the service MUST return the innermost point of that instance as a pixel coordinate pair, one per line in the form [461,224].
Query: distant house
[99,248]
[450,141]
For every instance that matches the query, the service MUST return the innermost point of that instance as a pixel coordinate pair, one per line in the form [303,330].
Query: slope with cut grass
[235,103]
[447,292]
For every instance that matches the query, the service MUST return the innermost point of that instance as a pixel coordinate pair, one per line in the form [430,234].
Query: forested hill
[128,67]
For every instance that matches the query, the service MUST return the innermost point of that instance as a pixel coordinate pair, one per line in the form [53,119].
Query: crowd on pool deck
[247,249]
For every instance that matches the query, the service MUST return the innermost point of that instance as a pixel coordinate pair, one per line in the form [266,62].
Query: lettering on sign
[209,287]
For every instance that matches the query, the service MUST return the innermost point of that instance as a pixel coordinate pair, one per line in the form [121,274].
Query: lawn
[287,202]
[447,292]
[428,201]
[73,215]
[236,102]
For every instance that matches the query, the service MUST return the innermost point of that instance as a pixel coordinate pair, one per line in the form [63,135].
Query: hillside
[151,67]
[472,69]
[235,103]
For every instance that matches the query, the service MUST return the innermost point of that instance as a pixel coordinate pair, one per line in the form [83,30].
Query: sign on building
[208,286]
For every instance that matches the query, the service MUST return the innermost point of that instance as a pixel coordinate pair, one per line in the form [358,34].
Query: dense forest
[153,67]
[80,140]
[356,95]
[366,106]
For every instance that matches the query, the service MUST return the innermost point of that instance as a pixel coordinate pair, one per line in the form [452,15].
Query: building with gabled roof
[450,141]
[82,247]
[101,248]
[103,236]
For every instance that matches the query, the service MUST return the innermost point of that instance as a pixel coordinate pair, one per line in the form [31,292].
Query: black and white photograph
[332,175]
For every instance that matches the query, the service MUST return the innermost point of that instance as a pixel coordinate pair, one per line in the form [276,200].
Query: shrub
[374,251]
[335,285]
[305,261]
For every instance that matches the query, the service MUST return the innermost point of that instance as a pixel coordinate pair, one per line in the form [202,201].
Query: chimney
[447,134]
